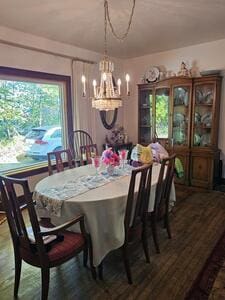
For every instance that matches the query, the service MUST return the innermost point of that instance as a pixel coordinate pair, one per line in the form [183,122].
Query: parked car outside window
[41,140]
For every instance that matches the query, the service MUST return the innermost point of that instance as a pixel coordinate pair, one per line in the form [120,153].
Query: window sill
[31,170]
[28,171]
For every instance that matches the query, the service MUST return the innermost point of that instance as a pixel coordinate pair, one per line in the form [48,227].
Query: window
[57,134]
[33,117]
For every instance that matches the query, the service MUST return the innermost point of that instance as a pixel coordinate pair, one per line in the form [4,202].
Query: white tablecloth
[103,207]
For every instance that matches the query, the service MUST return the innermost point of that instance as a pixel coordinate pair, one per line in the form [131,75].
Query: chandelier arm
[123,36]
[103,118]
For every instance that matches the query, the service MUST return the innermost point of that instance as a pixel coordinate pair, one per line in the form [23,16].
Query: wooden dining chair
[87,152]
[76,139]
[162,198]
[58,158]
[135,220]
[40,247]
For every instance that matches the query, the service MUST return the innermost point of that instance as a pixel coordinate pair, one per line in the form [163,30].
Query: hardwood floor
[197,223]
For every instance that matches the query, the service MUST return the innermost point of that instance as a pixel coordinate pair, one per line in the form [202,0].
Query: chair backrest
[79,138]
[165,180]
[87,152]
[58,158]
[15,217]
[138,196]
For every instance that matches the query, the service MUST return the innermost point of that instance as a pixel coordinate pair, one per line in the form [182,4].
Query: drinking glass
[123,156]
[96,163]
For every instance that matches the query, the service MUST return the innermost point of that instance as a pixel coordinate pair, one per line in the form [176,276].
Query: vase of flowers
[110,159]
[110,169]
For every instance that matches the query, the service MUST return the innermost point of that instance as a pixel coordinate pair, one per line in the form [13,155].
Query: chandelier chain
[105,32]
[117,36]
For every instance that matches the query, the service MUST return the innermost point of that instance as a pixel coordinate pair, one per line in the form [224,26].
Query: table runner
[52,198]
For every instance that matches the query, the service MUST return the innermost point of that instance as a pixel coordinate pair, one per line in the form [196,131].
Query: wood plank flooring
[197,223]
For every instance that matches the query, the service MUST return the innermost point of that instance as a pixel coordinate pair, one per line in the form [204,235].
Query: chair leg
[100,271]
[85,257]
[45,274]
[154,231]
[144,238]
[167,223]
[127,264]
[18,264]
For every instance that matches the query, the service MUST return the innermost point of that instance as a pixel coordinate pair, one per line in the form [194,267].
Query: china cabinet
[205,155]
[183,113]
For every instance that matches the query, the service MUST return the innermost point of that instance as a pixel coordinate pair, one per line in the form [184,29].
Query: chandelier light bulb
[127,80]
[83,80]
[94,85]
[104,76]
[119,85]
[127,77]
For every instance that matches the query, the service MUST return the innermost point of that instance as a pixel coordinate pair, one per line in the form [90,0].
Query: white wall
[16,57]
[207,56]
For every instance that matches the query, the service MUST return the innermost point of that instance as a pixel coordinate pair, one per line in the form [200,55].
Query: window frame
[32,170]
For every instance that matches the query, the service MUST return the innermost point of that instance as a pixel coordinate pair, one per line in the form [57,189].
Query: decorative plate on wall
[152,74]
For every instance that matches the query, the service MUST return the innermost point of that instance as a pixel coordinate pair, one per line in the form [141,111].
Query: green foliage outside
[162,116]
[25,105]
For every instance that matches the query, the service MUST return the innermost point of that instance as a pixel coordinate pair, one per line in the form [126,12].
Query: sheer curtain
[83,113]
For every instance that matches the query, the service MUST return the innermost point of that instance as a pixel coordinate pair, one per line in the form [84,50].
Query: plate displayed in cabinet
[178,119]
[206,140]
[197,139]
[197,118]
[206,119]
[178,136]
[181,96]
[204,96]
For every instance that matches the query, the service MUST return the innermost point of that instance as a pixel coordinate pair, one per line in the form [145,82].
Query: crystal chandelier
[107,96]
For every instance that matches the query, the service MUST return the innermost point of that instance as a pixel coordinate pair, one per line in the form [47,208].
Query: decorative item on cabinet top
[159,73]
[210,72]
[152,74]
[184,72]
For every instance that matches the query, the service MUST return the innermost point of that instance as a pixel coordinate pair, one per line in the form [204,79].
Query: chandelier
[107,96]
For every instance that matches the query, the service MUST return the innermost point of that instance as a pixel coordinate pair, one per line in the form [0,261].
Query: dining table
[99,196]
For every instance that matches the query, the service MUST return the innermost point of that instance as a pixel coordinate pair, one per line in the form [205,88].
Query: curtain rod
[14,44]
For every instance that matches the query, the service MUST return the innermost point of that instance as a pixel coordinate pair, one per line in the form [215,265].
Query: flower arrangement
[110,158]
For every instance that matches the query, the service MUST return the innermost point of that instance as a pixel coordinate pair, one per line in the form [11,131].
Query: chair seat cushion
[72,241]
[60,250]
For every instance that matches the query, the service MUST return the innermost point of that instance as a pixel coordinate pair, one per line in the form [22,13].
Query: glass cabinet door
[145,117]
[181,99]
[203,115]
[162,112]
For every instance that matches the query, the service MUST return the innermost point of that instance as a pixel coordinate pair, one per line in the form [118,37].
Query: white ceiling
[158,25]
